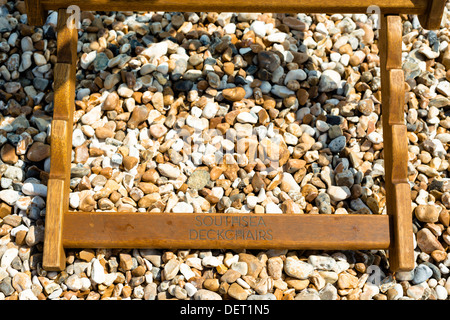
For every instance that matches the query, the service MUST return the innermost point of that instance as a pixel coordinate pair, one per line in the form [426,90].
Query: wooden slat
[64,91]
[60,145]
[398,196]
[399,147]
[395,81]
[61,148]
[66,40]
[35,12]
[431,20]
[392,42]
[251,231]
[54,257]
[323,6]
[401,251]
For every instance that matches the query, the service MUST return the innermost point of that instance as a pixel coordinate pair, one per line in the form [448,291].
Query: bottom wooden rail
[225,231]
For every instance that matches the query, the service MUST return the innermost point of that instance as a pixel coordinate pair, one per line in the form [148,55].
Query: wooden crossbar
[225,231]
[66,229]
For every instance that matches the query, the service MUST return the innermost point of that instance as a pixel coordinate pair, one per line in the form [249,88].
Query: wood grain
[398,195]
[64,91]
[401,251]
[60,150]
[176,230]
[66,40]
[54,256]
[60,145]
[431,20]
[35,12]
[295,6]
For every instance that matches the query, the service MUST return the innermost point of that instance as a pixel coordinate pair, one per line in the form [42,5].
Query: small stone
[38,152]
[421,273]
[111,102]
[169,170]
[237,292]
[339,193]
[86,255]
[139,115]
[129,162]
[234,94]
[297,269]
[198,179]
[427,241]
[104,132]
[203,294]
[230,276]
[8,256]
[171,268]
[247,117]
[347,281]
[183,207]
[268,60]
[8,154]
[125,261]
[97,272]
[34,189]
[9,196]
[337,144]
[375,137]
[427,213]
[329,81]
[322,262]
[158,130]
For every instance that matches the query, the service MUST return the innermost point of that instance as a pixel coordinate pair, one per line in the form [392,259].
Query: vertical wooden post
[61,144]
[431,20]
[398,191]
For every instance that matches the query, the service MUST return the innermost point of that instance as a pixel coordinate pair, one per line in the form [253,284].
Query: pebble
[337,144]
[297,269]
[329,81]
[203,294]
[234,94]
[198,179]
[421,273]
[169,170]
[339,193]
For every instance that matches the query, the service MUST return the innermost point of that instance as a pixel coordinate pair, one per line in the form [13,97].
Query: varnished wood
[398,195]
[431,20]
[314,6]
[66,40]
[64,91]
[401,250]
[61,150]
[54,256]
[35,12]
[174,230]
[61,145]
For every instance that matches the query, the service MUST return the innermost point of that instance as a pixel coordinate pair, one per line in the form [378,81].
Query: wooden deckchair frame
[66,229]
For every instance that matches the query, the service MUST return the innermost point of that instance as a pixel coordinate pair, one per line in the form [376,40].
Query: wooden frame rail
[66,229]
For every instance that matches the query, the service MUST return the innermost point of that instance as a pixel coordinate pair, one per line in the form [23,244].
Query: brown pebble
[234,94]
[111,102]
[8,154]
[38,152]
[138,115]
[86,255]
[130,162]
[104,132]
